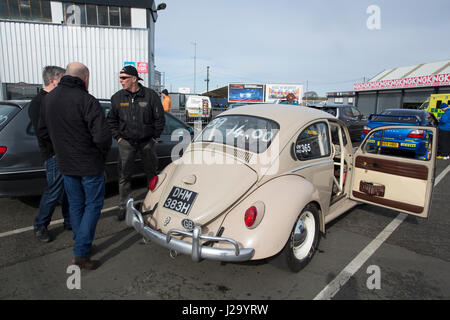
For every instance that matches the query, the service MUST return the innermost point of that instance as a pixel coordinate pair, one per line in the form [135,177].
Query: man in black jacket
[136,120]
[75,122]
[55,182]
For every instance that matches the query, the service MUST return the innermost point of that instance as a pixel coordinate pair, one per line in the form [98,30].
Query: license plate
[193,115]
[389,144]
[180,200]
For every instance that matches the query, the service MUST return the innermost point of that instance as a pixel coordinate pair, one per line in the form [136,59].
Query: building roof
[418,70]
[217,93]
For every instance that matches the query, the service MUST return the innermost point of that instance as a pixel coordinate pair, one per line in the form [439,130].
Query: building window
[102,13]
[114,16]
[36,10]
[125,17]
[86,14]
[91,11]
[338,100]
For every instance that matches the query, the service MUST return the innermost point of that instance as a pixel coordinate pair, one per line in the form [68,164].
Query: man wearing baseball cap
[136,120]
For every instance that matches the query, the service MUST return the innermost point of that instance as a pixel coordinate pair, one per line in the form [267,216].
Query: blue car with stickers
[414,143]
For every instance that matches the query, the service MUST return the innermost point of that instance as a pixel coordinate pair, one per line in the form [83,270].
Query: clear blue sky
[326,43]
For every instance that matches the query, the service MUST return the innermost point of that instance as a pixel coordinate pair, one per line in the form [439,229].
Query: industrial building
[104,35]
[402,87]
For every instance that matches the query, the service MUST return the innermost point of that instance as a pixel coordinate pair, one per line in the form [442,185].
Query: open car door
[394,168]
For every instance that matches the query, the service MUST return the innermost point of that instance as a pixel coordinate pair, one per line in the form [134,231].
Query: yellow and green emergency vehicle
[433,102]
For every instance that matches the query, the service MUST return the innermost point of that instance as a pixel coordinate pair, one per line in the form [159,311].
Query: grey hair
[52,72]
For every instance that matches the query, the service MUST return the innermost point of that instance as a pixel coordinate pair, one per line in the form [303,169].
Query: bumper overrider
[195,249]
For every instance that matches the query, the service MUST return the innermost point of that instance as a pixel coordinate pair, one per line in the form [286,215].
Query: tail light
[2,151]
[250,216]
[366,129]
[153,183]
[418,134]
[254,215]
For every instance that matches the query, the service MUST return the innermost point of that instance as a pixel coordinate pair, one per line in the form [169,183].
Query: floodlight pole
[195,64]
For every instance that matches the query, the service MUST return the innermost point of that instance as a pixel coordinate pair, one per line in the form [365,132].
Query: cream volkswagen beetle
[266,179]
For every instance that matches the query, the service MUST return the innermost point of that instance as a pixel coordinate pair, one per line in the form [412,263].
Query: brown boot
[86,263]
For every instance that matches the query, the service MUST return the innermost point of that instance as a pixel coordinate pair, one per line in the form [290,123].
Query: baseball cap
[130,70]
[165,92]
[443,106]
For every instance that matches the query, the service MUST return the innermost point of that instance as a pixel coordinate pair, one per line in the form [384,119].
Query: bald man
[75,122]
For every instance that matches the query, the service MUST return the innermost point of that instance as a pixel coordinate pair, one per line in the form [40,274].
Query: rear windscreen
[330,110]
[7,112]
[404,116]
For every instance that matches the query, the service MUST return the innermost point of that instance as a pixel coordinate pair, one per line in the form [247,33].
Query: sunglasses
[124,78]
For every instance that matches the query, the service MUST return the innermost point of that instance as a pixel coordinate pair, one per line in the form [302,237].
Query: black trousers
[127,156]
[444,143]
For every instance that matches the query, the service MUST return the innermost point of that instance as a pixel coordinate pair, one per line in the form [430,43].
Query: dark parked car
[21,168]
[352,117]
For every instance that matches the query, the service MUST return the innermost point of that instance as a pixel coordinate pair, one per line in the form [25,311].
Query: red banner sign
[424,81]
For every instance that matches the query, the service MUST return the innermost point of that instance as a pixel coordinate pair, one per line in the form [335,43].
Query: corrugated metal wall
[25,48]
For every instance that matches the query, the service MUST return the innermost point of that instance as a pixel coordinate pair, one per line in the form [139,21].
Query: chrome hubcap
[300,233]
[303,237]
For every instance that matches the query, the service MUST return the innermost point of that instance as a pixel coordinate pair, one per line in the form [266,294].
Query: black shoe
[121,215]
[86,263]
[67,227]
[42,234]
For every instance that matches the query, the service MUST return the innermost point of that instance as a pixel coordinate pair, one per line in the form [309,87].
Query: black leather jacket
[136,117]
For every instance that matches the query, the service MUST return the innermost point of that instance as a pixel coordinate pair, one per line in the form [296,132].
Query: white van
[198,108]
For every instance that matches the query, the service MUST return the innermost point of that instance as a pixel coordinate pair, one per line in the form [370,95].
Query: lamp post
[195,64]
[151,44]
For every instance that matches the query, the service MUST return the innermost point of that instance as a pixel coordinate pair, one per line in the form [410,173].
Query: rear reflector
[2,151]
[153,183]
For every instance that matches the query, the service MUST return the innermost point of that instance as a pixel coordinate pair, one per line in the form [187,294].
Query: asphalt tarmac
[411,264]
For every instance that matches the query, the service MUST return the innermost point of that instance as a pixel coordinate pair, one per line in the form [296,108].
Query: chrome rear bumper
[195,249]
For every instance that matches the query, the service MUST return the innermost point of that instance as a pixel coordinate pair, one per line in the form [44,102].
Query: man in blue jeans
[75,122]
[55,182]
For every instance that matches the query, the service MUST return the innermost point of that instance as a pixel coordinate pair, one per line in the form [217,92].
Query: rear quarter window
[7,112]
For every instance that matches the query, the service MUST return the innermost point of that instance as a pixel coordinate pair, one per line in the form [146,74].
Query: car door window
[335,135]
[313,142]
[356,112]
[172,124]
[348,112]
[106,108]
[400,142]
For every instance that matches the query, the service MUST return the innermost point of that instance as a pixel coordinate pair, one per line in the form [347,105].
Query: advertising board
[276,92]
[244,92]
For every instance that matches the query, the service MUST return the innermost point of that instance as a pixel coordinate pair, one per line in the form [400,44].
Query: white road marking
[334,286]
[17,231]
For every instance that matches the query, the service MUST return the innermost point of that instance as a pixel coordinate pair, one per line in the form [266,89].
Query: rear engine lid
[200,191]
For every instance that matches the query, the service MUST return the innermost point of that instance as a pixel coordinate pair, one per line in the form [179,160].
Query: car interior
[339,141]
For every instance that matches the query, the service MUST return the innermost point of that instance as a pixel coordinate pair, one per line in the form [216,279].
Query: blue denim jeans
[86,196]
[51,195]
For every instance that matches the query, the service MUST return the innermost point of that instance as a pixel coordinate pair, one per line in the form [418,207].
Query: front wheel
[303,239]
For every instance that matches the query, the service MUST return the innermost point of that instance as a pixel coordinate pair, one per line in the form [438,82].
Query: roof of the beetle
[289,117]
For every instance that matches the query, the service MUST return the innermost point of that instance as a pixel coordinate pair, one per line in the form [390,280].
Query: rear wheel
[303,239]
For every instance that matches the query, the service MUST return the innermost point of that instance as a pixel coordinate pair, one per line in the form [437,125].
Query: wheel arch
[280,215]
